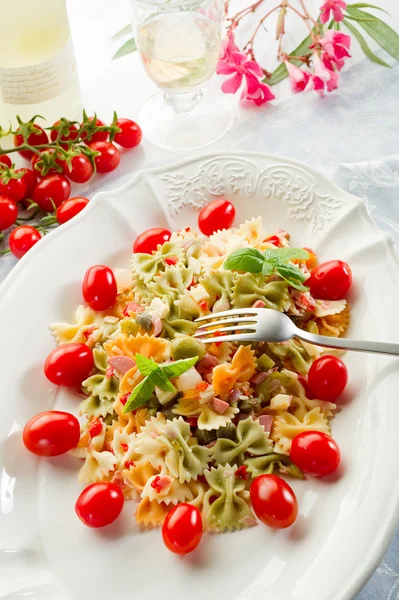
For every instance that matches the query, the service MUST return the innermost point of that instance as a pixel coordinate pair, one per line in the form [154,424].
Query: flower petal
[231,85]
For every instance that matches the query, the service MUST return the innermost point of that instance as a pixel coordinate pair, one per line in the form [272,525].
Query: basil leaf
[291,272]
[296,285]
[161,381]
[248,260]
[140,394]
[286,254]
[178,367]
[145,365]
[267,269]
[271,256]
[127,48]
[364,46]
[384,35]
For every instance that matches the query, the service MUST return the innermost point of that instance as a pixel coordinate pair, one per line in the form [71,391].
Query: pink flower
[322,77]
[228,46]
[336,6]
[336,47]
[298,78]
[257,91]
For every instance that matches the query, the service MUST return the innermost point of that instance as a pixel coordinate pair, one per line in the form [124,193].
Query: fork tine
[230,313]
[229,322]
[240,337]
[252,329]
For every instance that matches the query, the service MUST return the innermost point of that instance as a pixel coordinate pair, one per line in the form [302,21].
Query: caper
[249,405]
[168,412]
[204,436]
[187,347]
[227,432]
[145,321]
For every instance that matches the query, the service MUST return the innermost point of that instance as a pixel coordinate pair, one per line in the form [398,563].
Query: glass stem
[183,104]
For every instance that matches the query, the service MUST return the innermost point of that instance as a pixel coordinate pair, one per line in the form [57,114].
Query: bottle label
[40,82]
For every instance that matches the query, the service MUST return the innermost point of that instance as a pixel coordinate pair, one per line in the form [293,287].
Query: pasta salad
[198,434]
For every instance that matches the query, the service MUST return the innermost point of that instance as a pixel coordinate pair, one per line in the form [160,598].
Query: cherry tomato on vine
[330,281]
[149,240]
[51,433]
[5,160]
[99,287]
[216,215]
[72,135]
[99,504]
[8,212]
[109,157]
[22,238]
[36,138]
[30,180]
[273,501]
[14,189]
[70,208]
[69,364]
[315,453]
[131,134]
[99,136]
[35,159]
[182,529]
[80,169]
[51,189]
[327,378]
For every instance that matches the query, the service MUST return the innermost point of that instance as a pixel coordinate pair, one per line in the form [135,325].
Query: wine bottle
[37,62]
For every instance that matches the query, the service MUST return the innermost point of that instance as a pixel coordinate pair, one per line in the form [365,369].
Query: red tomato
[80,170]
[109,157]
[36,138]
[14,189]
[65,137]
[316,453]
[182,529]
[131,134]
[70,208]
[5,160]
[99,136]
[69,364]
[150,239]
[51,189]
[22,238]
[273,239]
[99,504]
[327,378]
[216,215]
[51,433]
[30,180]
[330,281]
[273,501]
[99,287]
[8,212]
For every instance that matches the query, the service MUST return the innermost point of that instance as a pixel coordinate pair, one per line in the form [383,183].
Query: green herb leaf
[364,46]
[281,72]
[178,367]
[122,32]
[384,35]
[365,5]
[127,48]
[145,365]
[161,381]
[291,272]
[248,260]
[140,394]
[286,254]
[267,269]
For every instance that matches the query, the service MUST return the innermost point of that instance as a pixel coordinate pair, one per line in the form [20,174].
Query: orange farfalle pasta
[241,368]
[151,513]
[138,475]
[147,345]
[133,421]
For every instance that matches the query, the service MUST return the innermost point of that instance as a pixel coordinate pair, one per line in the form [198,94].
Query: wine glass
[179,43]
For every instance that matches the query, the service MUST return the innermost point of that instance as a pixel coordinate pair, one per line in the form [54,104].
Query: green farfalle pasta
[293,351]
[250,438]
[231,509]
[171,283]
[102,391]
[218,283]
[177,323]
[263,465]
[249,288]
[146,266]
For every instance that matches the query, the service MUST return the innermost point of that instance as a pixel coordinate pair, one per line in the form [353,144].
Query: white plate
[344,525]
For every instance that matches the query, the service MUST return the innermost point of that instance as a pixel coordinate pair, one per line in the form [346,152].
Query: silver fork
[268,325]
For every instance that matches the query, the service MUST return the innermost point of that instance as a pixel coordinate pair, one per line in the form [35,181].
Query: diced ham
[132,307]
[157,324]
[258,378]
[266,421]
[207,363]
[121,363]
[209,377]
[109,372]
[234,395]
[219,406]
[258,304]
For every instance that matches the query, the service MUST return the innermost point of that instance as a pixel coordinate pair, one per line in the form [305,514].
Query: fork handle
[345,344]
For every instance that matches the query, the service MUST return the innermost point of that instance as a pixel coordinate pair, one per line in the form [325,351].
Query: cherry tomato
[150,239]
[330,281]
[80,169]
[65,137]
[109,157]
[99,136]
[8,212]
[36,138]
[273,501]
[14,189]
[131,134]
[51,189]
[327,378]
[216,215]
[5,160]
[315,452]
[51,433]
[99,287]
[99,504]
[70,208]
[22,239]
[30,180]
[182,529]
[69,364]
